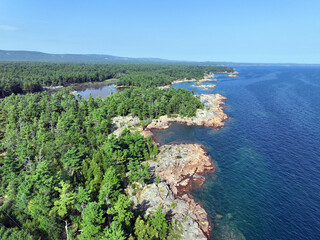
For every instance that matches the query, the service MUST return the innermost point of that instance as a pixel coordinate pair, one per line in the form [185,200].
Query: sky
[273,31]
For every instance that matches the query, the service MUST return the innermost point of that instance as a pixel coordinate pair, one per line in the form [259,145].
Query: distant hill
[7,55]
[13,55]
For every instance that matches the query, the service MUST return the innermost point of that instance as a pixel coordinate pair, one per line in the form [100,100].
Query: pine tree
[92,219]
[121,210]
[65,201]
[114,232]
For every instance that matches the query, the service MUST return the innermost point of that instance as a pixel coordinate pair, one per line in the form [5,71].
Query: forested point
[24,77]
[63,172]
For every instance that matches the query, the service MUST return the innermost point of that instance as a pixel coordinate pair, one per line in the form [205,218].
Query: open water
[267,182]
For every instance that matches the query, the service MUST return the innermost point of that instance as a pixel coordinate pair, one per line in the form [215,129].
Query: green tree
[72,160]
[114,232]
[121,210]
[144,230]
[159,222]
[65,201]
[82,198]
[92,219]
[110,186]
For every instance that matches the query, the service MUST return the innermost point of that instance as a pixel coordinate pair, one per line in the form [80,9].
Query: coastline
[207,77]
[211,116]
[185,174]
[181,167]
[182,178]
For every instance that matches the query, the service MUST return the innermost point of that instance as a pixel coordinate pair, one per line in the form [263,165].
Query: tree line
[24,77]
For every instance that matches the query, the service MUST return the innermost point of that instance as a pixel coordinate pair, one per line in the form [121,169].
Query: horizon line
[159,58]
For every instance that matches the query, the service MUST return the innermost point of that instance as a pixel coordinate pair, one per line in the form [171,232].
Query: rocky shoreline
[207,87]
[211,116]
[180,167]
[207,77]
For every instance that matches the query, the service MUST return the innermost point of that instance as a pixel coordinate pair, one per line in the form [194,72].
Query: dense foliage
[152,102]
[24,77]
[64,174]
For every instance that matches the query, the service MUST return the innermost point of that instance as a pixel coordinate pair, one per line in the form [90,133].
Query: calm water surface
[267,183]
[96,89]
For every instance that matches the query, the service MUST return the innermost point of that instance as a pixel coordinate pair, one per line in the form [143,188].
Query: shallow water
[267,183]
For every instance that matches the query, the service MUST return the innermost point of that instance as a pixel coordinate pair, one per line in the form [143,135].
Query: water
[96,89]
[267,183]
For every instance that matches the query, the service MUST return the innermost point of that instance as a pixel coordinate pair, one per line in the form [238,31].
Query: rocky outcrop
[207,87]
[232,75]
[120,123]
[211,116]
[182,166]
[190,216]
[206,77]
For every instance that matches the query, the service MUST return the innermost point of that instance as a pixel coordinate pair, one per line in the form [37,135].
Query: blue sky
[231,30]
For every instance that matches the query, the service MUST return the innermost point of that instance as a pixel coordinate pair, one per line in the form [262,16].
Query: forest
[30,77]
[63,172]
[62,168]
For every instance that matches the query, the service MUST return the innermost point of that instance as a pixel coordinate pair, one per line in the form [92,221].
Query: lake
[96,89]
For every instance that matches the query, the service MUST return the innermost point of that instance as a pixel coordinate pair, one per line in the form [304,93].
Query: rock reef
[234,73]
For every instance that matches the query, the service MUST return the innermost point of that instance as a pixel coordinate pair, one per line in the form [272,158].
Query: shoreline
[207,77]
[214,103]
[180,166]
[211,116]
[78,87]
[181,186]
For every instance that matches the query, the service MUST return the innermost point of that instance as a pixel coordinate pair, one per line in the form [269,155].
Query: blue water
[267,183]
